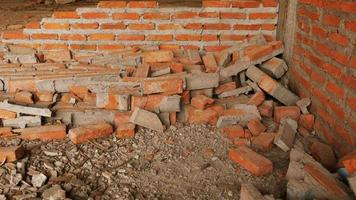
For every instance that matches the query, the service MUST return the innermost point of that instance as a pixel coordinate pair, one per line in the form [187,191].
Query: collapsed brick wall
[324,65]
[116,25]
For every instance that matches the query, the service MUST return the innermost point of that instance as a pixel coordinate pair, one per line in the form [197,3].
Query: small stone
[38,180]
[54,193]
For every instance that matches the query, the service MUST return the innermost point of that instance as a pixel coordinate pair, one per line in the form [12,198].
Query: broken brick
[251,161]
[257,99]
[349,161]
[4,114]
[167,85]
[11,154]
[234,131]
[158,56]
[210,63]
[306,121]
[256,127]
[24,97]
[225,87]
[263,142]
[125,130]
[79,91]
[292,112]
[44,133]
[266,108]
[88,132]
[324,154]
[241,142]
[45,96]
[5,132]
[201,102]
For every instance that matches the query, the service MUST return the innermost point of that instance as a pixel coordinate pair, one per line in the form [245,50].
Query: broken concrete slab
[146,119]
[45,112]
[23,122]
[275,67]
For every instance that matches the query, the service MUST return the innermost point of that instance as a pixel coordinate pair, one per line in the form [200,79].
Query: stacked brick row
[116,25]
[324,67]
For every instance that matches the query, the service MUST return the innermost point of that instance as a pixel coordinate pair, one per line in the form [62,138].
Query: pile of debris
[240,90]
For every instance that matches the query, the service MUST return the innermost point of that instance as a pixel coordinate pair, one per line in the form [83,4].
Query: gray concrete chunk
[45,112]
[22,122]
[285,136]
[146,119]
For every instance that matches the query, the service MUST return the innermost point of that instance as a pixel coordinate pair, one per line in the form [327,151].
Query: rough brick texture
[121,23]
[323,67]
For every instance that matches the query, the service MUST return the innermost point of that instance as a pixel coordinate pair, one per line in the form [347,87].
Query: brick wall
[324,64]
[114,25]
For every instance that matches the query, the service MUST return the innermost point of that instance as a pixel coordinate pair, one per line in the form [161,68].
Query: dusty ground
[184,162]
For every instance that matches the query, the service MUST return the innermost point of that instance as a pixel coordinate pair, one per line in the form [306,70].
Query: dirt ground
[184,162]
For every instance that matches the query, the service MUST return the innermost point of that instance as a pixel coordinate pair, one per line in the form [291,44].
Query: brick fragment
[201,101]
[11,154]
[263,142]
[146,119]
[5,132]
[251,161]
[292,112]
[126,130]
[24,97]
[167,85]
[210,63]
[256,127]
[158,56]
[349,162]
[257,99]
[275,67]
[88,132]
[5,114]
[306,121]
[207,116]
[324,154]
[44,133]
[234,131]
[225,87]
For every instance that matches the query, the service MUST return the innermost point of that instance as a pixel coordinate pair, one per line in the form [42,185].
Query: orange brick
[141,26]
[11,154]
[292,112]
[262,15]
[246,4]
[339,39]
[149,102]
[209,14]
[86,47]
[251,161]
[79,91]
[85,26]
[90,98]
[19,85]
[256,52]
[73,37]
[159,37]
[95,15]
[4,114]
[256,127]
[306,121]
[101,36]
[173,118]
[24,97]
[263,142]
[158,56]
[65,15]
[33,25]
[125,16]
[232,15]
[112,4]
[169,26]
[186,97]
[233,37]
[349,162]
[122,118]
[210,63]
[209,37]
[257,99]
[268,27]
[186,37]
[177,67]
[223,4]
[56,26]
[44,36]
[44,133]
[201,101]
[88,132]
[161,16]
[194,26]
[247,26]
[235,131]
[45,96]
[197,116]
[142,4]
[331,20]
[125,131]
[225,87]
[185,15]
[6,132]
[219,26]
[169,85]
[109,47]
[130,37]
[14,35]
[113,26]
[143,70]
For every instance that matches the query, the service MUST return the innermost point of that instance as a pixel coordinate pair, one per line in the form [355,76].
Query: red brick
[186,97]
[169,26]
[56,26]
[246,4]
[210,3]
[324,154]
[142,4]
[269,3]
[350,25]
[209,37]
[95,15]
[232,15]
[209,115]
[349,162]
[125,16]
[318,31]
[130,37]
[149,102]
[251,161]
[65,15]
[225,87]
[269,27]
[201,101]
[73,37]
[233,37]
[292,112]
[331,20]
[86,47]
[44,133]
[194,26]
[85,26]
[241,142]
[262,16]
[306,121]
[44,36]
[14,35]
[169,85]
[11,154]
[5,114]
[247,26]
[113,26]
[112,4]
[159,37]
[256,52]
[185,15]
[326,181]
[219,26]
[126,131]
[160,16]
[348,6]
[234,131]
[209,14]
[339,39]
[24,97]
[158,56]
[101,36]
[6,132]
[33,25]
[173,118]
[140,26]
[45,96]
[186,37]
[263,142]
[87,132]
[335,90]
[210,63]
[257,99]
[256,127]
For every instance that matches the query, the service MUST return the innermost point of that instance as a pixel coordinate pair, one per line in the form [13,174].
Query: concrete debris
[146,119]
[54,193]
[38,180]
[285,135]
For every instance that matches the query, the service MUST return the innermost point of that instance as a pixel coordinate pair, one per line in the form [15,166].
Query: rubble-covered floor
[184,162]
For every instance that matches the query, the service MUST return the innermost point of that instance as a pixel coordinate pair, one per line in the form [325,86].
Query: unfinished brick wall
[324,65]
[115,25]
